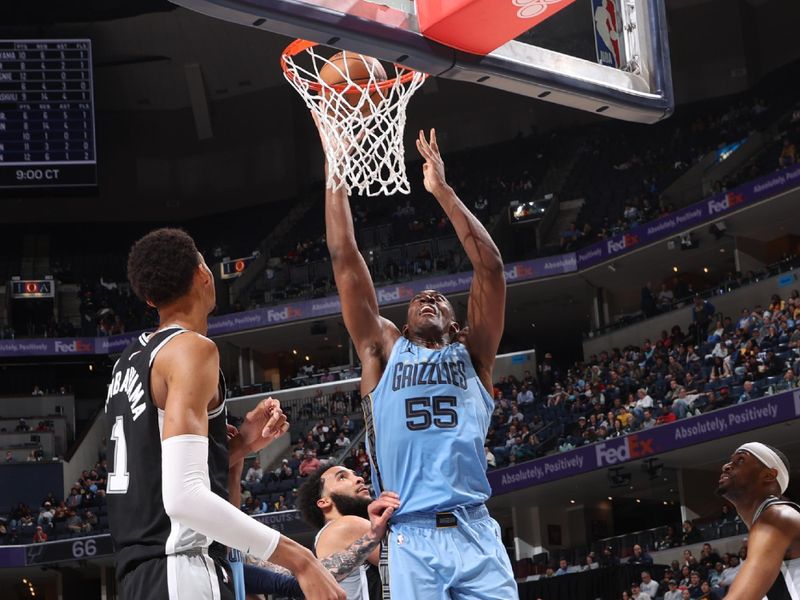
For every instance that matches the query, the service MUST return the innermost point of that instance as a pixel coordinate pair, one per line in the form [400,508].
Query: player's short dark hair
[308,495]
[161,265]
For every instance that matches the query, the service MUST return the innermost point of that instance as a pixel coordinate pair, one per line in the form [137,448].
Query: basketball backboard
[604,56]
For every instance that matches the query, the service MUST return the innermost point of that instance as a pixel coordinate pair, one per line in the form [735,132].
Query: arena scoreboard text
[47,125]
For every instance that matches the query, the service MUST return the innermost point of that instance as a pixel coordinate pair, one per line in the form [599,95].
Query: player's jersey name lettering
[407,375]
[131,386]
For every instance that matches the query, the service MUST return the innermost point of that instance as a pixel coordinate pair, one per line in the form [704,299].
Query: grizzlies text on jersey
[427,421]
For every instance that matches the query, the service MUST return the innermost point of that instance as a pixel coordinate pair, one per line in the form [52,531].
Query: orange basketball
[358,68]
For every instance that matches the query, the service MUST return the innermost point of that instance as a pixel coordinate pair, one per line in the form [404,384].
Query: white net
[361,119]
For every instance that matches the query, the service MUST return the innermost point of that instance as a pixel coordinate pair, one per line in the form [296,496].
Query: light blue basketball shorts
[449,556]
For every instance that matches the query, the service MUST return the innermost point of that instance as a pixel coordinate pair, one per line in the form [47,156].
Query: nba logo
[608,32]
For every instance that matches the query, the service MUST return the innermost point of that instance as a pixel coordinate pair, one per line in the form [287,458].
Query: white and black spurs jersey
[787,585]
[140,527]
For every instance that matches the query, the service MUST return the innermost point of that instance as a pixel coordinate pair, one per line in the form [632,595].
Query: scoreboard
[47,126]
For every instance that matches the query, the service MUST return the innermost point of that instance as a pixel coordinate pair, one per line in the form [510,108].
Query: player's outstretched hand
[263,425]
[433,169]
[381,511]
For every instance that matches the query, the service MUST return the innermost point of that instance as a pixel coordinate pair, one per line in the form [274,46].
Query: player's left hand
[433,169]
[263,425]
[381,511]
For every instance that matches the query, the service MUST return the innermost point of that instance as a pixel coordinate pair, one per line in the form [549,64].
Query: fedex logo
[519,272]
[626,241]
[286,313]
[72,347]
[728,201]
[528,9]
[633,447]
[394,294]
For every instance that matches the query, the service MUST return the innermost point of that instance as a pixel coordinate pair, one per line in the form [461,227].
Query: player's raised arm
[369,331]
[487,296]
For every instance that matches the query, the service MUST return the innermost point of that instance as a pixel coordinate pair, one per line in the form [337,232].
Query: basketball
[358,69]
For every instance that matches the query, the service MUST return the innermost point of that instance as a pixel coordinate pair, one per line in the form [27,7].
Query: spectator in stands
[75,499]
[673,593]
[690,534]
[788,155]
[46,515]
[789,381]
[283,472]
[669,540]
[310,464]
[22,426]
[9,456]
[694,585]
[341,442]
[590,564]
[639,557]
[708,556]
[747,392]
[525,395]
[40,536]
[75,524]
[685,576]
[280,503]
[707,592]
[90,520]
[715,574]
[665,298]
[609,558]
[667,414]
[563,567]
[254,474]
[648,586]
[702,315]
[60,513]
[648,421]
[643,401]
[637,593]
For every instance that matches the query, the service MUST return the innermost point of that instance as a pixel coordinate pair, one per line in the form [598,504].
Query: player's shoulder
[189,346]
[784,515]
[348,523]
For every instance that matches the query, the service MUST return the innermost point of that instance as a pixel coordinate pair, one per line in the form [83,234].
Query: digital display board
[47,126]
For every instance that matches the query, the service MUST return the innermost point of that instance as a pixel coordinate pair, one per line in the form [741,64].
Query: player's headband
[769,459]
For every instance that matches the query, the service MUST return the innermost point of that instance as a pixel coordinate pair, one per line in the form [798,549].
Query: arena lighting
[653,467]
[618,477]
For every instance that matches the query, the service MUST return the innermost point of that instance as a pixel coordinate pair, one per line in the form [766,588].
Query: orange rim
[298,46]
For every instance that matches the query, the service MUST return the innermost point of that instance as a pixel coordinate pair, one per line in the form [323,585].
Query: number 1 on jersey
[119,478]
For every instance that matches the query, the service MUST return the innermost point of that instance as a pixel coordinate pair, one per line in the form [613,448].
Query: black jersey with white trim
[140,527]
[787,584]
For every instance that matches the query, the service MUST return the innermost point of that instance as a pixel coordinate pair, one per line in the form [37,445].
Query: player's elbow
[175,504]
[491,263]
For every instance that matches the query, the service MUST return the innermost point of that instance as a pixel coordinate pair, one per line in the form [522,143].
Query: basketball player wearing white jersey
[753,481]
[351,527]
[168,446]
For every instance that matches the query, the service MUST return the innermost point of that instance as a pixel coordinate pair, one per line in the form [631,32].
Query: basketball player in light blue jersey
[427,405]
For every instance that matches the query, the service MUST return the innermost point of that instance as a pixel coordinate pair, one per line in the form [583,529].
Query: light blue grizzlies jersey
[426,424]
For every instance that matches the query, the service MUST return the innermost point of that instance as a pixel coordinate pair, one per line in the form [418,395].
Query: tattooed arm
[350,541]
[341,564]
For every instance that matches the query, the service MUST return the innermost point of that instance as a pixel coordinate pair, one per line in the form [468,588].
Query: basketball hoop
[361,120]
